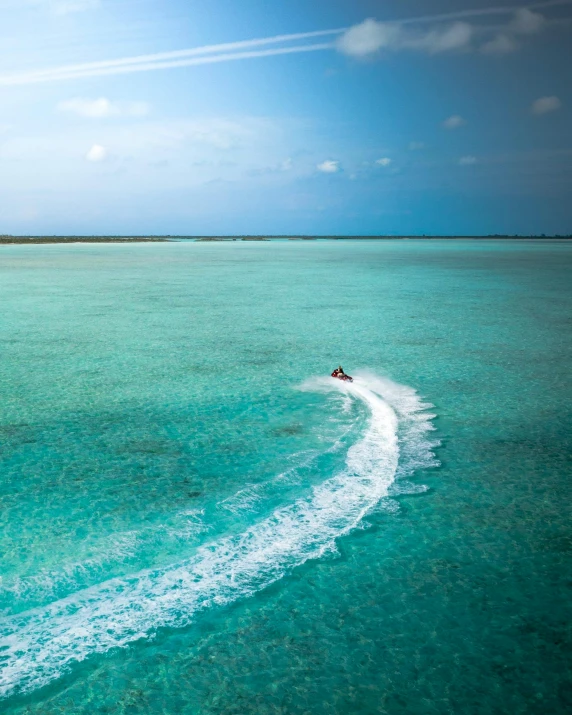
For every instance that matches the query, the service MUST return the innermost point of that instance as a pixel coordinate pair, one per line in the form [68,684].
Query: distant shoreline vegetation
[8,239]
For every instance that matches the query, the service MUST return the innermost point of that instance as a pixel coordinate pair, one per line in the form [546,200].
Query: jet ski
[339,374]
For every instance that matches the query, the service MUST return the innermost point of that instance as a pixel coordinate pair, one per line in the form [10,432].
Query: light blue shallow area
[179,478]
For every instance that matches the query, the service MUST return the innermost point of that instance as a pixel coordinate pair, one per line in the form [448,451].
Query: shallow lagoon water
[179,478]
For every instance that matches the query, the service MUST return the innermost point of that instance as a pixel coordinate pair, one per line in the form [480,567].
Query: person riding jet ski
[341,375]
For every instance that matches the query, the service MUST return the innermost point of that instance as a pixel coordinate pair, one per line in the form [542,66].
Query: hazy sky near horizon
[330,116]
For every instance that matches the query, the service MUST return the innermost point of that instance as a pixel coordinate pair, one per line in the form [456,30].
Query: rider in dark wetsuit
[339,371]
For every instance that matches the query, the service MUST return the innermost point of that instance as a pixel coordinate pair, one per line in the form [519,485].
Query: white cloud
[415,146]
[329,166]
[545,105]
[286,165]
[385,161]
[96,153]
[526,22]
[95,108]
[454,122]
[103,108]
[501,44]
[371,36]
[368,37]
[65,7]
[467,160]
[442,39]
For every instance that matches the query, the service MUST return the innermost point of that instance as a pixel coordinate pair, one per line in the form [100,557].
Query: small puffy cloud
[66,7]
[416,146]
[103,108]
[501,44]
[526,22]
[96,153]
[329,166]
[467,160]
[454,122]
[367,38]
[385,161]
[545,105]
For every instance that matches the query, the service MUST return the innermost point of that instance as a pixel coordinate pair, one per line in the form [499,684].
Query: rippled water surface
[196,519]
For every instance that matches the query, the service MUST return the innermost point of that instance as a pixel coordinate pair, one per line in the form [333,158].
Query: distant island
[363,238]
[8,239]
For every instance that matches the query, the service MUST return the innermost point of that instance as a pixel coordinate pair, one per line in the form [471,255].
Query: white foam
[250,497]
[41,644]
[415,424]
[110,551]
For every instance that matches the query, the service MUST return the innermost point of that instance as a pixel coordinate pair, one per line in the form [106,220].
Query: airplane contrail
[233,51]
[148,66]
[177,54]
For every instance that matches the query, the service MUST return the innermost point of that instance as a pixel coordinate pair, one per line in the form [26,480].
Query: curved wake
[41,644]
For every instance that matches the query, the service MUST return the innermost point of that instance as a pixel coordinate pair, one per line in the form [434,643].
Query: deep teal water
[194,520]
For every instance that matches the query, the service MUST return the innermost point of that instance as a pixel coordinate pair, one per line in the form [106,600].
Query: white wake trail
[41,644]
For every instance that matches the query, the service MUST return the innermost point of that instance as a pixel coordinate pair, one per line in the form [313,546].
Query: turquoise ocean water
[196,519]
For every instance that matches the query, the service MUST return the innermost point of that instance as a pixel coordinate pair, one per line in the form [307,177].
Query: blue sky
[217,116]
